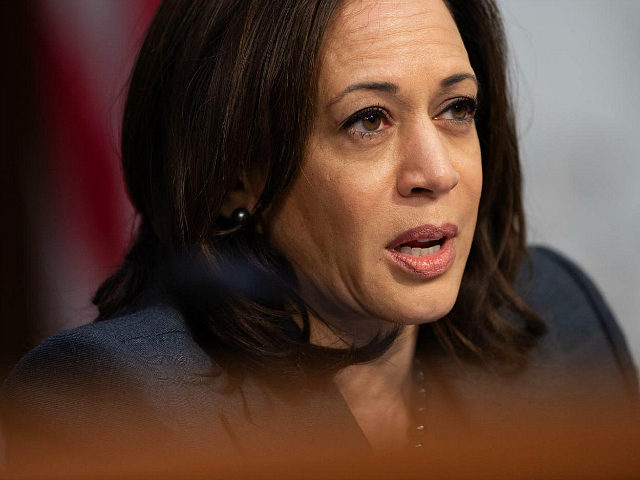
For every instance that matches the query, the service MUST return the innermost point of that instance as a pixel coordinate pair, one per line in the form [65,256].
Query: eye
[368,121]
[460,110]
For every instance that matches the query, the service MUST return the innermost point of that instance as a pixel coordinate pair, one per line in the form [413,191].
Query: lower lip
[429,266]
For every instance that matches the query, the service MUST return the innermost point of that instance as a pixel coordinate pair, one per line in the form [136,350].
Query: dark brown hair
[221,88]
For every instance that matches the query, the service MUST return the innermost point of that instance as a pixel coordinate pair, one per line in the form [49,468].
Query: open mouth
[421,247]
[426,251]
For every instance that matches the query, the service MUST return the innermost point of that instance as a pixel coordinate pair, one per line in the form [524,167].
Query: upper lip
[427,232]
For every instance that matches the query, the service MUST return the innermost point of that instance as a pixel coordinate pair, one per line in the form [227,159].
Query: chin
[417,308]
[425,315]
[430,301]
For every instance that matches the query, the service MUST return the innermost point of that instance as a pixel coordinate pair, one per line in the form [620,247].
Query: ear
[243,195]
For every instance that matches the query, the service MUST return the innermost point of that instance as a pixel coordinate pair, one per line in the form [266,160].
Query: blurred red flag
[85,51]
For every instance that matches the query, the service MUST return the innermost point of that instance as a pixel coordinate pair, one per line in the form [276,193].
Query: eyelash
[469,103]
[361,115]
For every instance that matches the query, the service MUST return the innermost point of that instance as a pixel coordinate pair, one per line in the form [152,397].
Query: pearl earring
[240,217]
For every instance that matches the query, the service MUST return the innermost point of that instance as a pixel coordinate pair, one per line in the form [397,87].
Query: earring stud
[240,216]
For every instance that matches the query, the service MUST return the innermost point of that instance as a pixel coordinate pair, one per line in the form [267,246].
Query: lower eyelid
[386,122]
[360,133]
[458,126]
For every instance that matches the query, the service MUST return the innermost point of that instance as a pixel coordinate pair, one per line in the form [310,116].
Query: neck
[386,377]
[378,392]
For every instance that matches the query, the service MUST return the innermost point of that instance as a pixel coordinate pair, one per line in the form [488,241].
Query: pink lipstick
[427,251]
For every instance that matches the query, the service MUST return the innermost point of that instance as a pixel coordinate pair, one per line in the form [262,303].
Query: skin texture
[358,190]
[357,193]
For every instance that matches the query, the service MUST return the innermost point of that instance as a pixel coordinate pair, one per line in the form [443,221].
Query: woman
[331,251]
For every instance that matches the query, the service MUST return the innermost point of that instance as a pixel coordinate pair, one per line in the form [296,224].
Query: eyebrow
[457,78]
[392,88]
[385,87]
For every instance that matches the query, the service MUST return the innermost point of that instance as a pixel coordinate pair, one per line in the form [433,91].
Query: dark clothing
[144,373]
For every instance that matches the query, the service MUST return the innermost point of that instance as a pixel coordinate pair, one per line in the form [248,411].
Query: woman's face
[379,223]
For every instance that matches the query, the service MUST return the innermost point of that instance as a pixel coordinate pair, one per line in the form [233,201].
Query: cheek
[471,190]
[476,171]
[477,182]
[474,184]
[469,166]
[328,227]
[354,202]
[314,218]
[330,204]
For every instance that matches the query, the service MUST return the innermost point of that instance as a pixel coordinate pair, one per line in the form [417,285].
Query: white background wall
[576,72]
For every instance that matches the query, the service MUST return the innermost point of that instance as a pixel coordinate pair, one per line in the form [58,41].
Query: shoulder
[137,376]
[580,364]
[583,335]
[134,346]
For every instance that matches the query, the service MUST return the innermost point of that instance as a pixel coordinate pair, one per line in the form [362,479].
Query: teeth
[420,252]
[434,249]
[426,240]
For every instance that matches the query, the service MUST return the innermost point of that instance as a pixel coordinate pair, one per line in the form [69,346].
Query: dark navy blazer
[145,370]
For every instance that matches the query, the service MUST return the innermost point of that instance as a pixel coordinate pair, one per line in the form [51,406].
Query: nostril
[418,190]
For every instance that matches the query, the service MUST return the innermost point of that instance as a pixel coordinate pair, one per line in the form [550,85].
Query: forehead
[390,39]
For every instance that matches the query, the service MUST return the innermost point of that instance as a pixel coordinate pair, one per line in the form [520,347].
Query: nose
[425,167]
